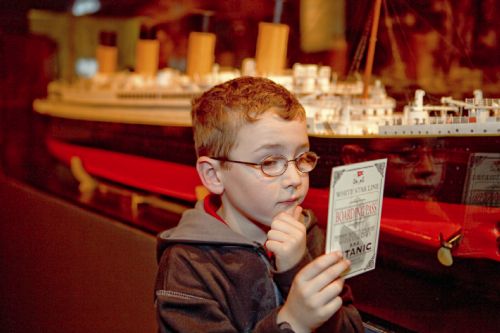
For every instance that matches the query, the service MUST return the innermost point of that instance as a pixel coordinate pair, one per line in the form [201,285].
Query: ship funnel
[272,43]
[107,52]
[147,52]
[201,49]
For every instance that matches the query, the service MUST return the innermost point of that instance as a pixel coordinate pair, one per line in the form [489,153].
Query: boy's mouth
[290,202]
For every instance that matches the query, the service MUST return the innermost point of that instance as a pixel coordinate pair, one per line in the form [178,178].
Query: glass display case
[128,154]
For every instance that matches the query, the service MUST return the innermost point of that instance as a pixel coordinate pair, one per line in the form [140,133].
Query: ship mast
[371,48]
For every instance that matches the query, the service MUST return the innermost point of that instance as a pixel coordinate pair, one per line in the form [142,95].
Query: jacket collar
[203,225]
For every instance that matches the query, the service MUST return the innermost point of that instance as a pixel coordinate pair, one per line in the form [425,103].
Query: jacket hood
[199,227]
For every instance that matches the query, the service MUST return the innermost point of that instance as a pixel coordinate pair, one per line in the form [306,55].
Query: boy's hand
[314,295]
[287,239]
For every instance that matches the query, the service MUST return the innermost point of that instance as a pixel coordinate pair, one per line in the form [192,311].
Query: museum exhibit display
[112,113]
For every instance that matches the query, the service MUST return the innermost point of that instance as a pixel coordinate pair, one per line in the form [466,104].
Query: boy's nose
[292,175]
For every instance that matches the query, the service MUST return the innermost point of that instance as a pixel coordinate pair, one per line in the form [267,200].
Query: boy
[243,259]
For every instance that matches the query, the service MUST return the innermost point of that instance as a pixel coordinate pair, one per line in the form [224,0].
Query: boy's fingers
[332,306]
[314,268]
[297,212]
[286,223]
[328,283]
[330,291]
[272,245]
[329,275]
[277,235]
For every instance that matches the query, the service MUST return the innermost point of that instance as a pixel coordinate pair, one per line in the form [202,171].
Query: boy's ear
[208,170]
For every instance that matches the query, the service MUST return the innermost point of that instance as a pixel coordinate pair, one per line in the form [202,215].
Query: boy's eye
[273,165]
[272,161]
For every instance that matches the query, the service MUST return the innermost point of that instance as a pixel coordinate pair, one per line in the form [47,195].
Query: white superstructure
[332,107]
[474,116]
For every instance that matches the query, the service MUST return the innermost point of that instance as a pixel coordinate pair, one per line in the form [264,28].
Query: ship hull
[440,204]
[175,143]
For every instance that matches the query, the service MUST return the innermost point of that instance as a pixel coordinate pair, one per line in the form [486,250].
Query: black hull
[175,144]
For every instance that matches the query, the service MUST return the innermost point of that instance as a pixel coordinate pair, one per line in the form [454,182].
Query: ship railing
[472,103]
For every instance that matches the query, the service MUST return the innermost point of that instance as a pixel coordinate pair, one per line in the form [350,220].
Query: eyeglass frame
[261,164]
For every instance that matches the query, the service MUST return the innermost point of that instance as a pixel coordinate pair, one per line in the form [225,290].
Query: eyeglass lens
[277,165]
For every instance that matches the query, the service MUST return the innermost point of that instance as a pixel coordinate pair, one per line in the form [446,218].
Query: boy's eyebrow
[272,146]
[268,146]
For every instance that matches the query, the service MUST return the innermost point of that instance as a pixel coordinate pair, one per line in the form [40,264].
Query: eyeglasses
[276,165]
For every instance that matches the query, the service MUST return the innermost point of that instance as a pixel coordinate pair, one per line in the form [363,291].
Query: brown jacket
[211,279]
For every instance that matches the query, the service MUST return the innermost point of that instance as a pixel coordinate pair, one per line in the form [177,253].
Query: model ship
[125,129]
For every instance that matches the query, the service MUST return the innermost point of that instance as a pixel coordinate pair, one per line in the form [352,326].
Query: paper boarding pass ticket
[354,211]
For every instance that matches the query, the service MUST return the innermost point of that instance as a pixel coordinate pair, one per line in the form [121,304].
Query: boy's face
[251,196]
